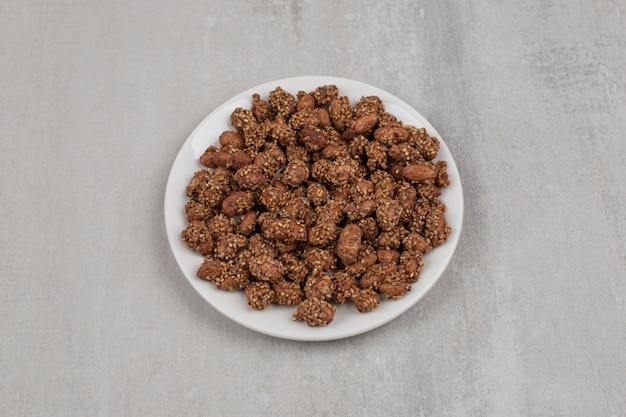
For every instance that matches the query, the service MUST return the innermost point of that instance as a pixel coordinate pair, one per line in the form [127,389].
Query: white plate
[276,321]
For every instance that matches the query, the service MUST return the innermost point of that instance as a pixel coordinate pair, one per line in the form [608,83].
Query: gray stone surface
[97,98]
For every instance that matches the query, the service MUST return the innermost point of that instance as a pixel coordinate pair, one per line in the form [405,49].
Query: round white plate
[276,321]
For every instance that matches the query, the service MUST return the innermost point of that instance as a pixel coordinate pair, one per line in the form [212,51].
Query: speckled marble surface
[97,98]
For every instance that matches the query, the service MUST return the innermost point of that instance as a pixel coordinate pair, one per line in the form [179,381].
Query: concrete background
[96,98]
